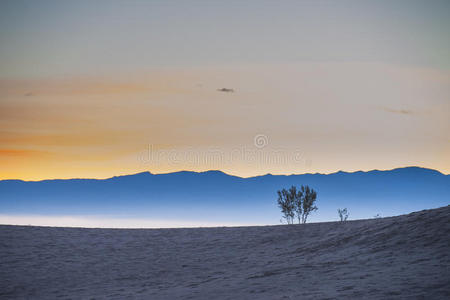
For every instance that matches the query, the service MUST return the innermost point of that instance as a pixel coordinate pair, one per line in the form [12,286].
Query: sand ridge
[404,257]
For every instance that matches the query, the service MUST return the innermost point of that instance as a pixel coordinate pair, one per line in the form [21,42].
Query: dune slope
[399,257]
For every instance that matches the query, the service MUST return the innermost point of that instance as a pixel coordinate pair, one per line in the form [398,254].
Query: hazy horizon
[213,198]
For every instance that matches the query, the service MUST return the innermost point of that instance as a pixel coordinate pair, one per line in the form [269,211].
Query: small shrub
[343,214]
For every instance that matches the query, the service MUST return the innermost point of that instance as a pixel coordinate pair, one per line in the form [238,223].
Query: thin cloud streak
[21,153]
[398,111]
[226,90]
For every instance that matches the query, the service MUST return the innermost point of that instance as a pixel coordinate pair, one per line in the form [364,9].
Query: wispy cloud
[226,90]
[398,111]
[21,153]
[77,86]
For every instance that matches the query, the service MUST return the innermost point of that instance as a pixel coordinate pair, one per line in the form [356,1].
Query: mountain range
[219,197]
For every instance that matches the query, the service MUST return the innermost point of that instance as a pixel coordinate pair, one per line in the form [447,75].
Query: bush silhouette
[286,202]
[343,214]
[298,203]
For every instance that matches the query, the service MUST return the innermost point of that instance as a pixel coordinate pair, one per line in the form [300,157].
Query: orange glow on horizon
[99,127]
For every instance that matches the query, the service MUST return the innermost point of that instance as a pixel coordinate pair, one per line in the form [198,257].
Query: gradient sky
[102,88]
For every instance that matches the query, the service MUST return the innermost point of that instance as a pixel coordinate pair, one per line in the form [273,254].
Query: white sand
[402,257]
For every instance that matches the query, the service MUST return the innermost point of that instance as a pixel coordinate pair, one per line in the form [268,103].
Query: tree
[298,203]
[298,198]
[308,199]
[286,202]
[343,214]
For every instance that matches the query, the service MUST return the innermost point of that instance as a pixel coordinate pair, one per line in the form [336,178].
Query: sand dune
[401,257]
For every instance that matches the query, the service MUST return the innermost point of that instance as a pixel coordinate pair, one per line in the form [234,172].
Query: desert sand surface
[404,257]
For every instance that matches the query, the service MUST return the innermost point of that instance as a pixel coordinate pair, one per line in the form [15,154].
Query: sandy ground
[405,257]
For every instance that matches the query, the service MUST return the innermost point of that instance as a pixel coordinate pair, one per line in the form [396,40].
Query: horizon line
[216,170]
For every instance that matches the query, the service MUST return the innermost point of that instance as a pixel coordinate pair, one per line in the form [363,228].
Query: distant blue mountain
[216,196]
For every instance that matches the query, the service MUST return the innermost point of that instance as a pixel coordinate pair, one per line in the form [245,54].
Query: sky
[94,89]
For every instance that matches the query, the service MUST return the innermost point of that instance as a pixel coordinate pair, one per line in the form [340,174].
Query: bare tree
[343,214]
[298,198]
[309,199]
[286,202]
[298,203]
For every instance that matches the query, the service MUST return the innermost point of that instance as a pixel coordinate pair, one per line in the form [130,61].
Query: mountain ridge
[217,196]
[147,173]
